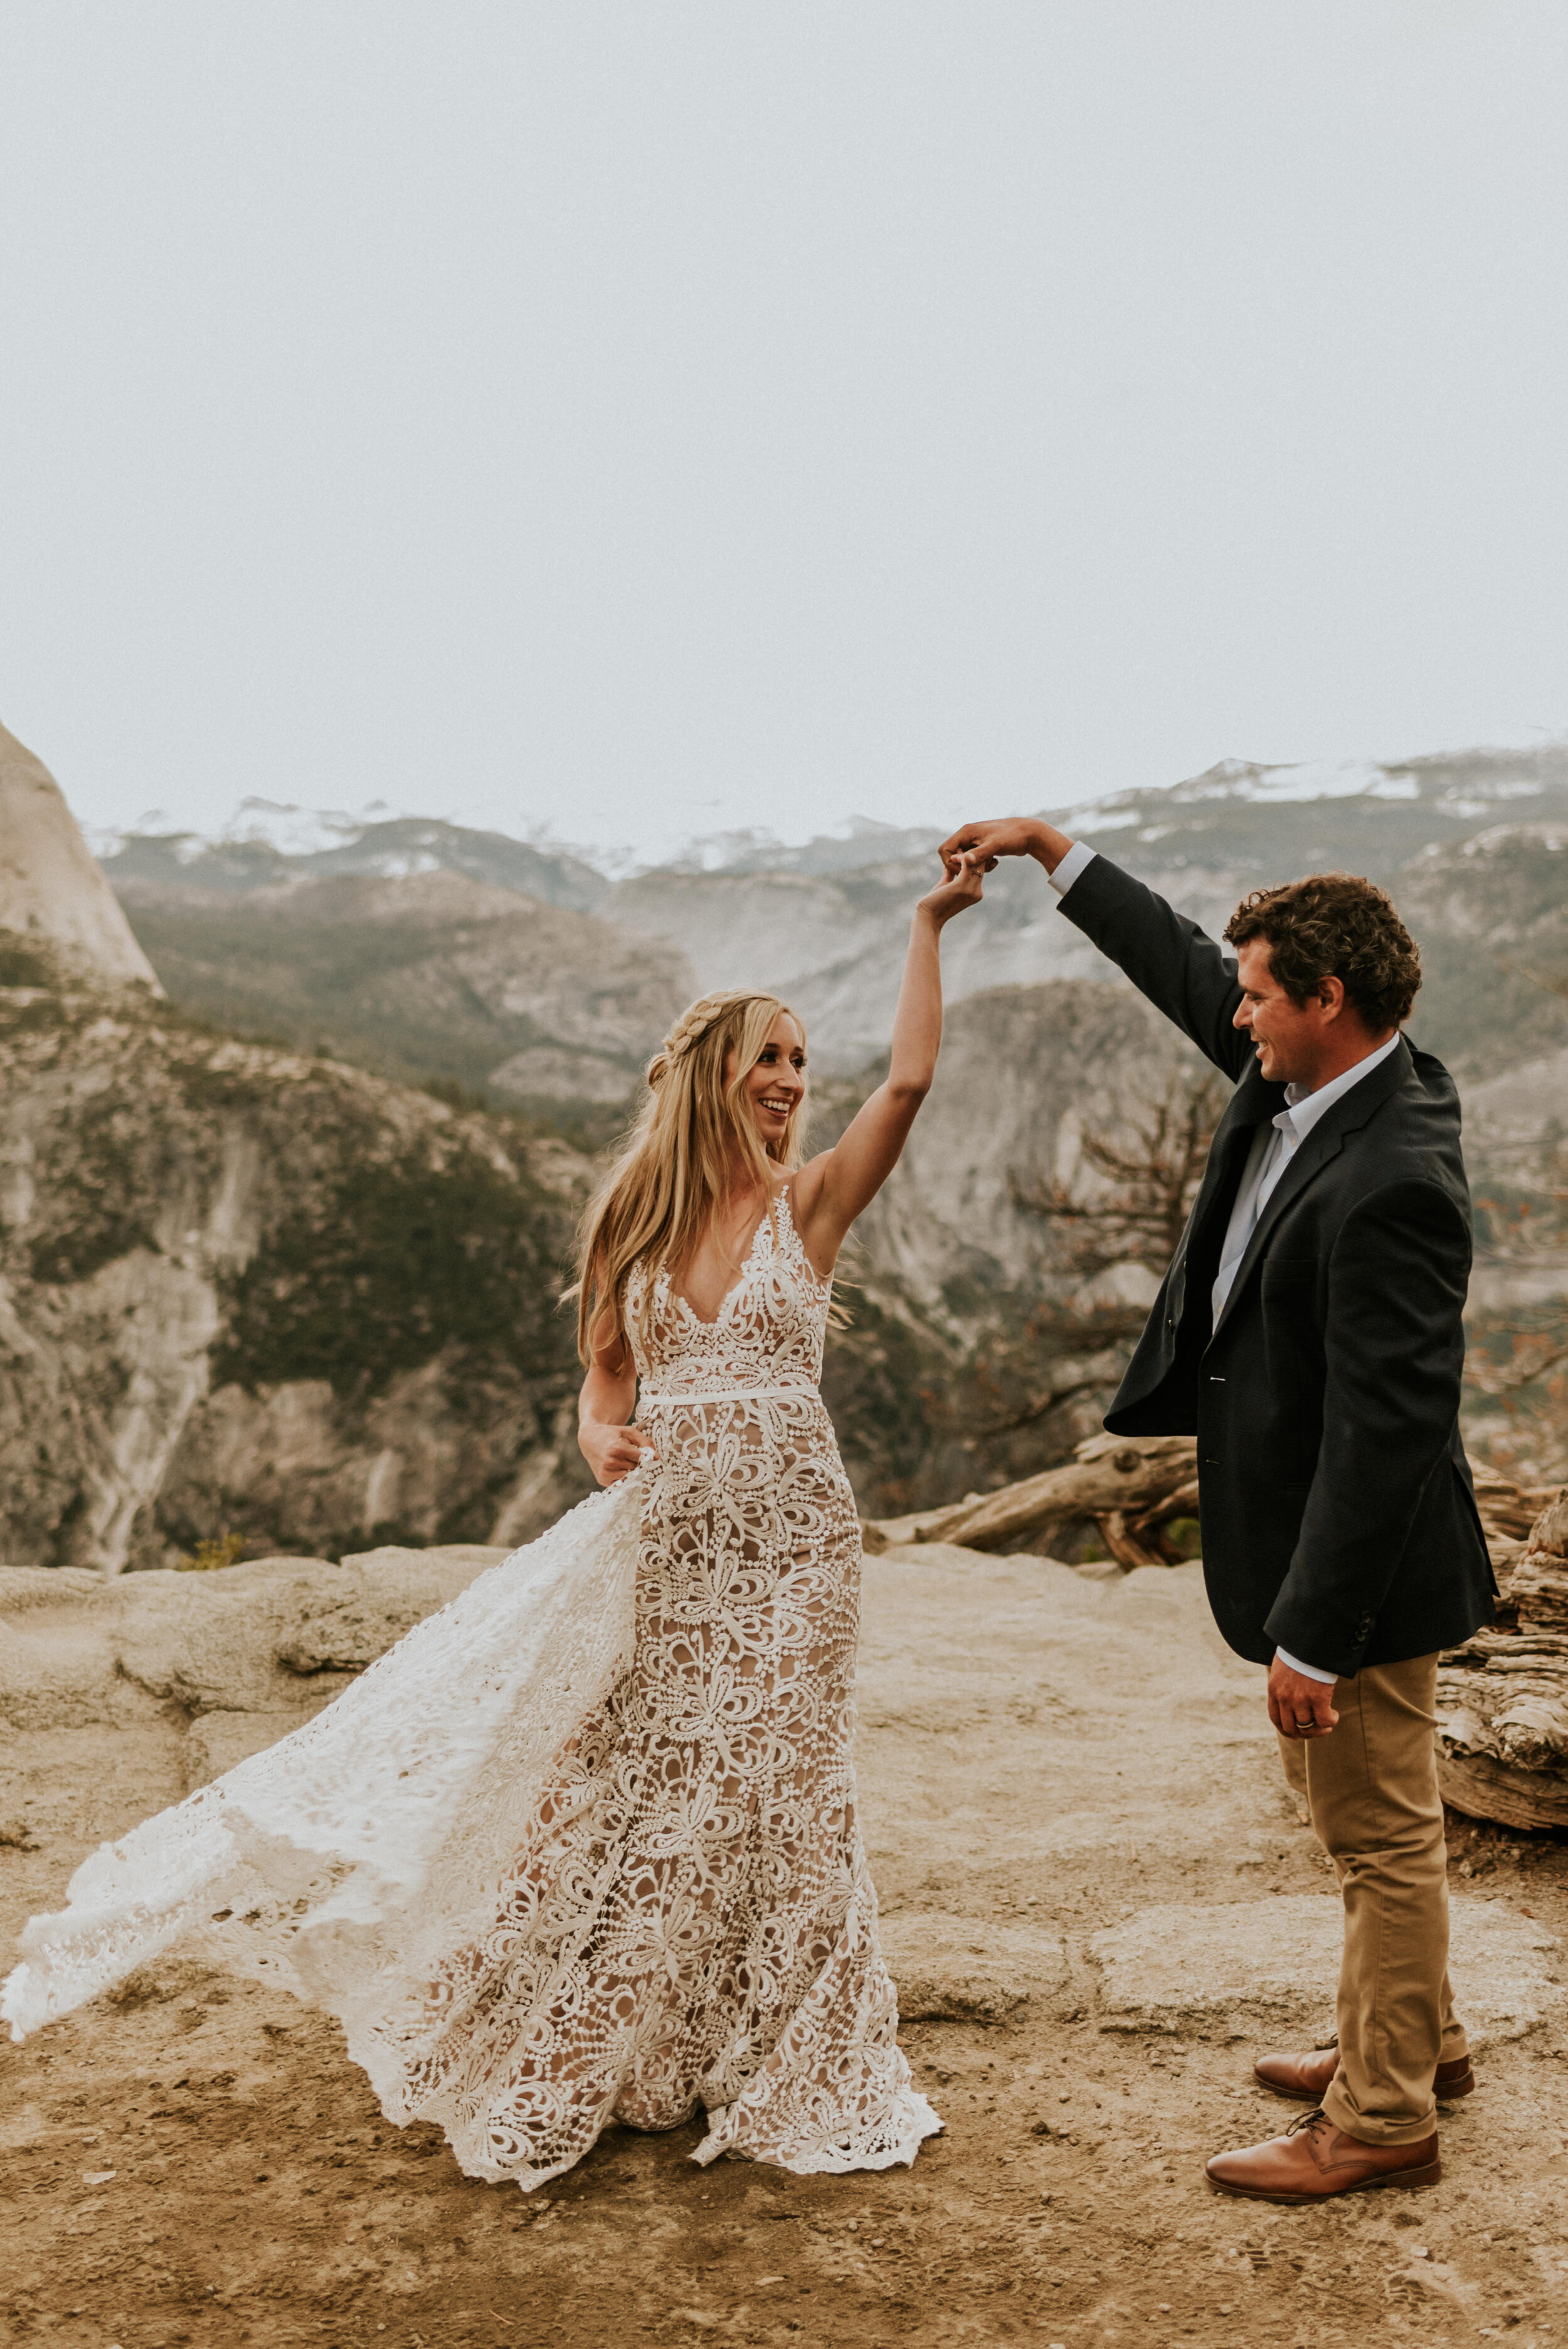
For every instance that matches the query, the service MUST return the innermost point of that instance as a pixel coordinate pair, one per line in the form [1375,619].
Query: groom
[1308,1332]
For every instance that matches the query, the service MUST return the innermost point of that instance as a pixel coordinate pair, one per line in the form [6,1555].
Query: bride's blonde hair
[680,1159]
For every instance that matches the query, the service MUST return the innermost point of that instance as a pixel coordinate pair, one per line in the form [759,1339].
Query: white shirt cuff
[1294,1663]
[1079,854]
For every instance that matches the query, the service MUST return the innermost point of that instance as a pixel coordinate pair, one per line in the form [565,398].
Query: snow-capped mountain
[824,919]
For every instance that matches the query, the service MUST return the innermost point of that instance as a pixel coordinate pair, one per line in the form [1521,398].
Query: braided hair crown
[688,1031]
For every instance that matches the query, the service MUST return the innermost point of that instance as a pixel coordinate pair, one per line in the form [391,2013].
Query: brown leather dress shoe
[1314,2159]
[1305,2078]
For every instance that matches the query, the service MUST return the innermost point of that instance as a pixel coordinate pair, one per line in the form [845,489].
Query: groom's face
[1289,1035]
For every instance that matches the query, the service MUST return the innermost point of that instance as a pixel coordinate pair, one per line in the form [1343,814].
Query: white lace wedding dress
[583,1845]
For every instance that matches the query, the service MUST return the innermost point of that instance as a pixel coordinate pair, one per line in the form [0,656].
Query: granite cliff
[51,892]
[247,1292]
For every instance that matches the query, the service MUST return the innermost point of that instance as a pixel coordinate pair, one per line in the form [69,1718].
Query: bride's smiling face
[776,1082]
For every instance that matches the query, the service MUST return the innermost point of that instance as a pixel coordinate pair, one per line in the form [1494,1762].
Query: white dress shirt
[1274,1147]
[1079,854]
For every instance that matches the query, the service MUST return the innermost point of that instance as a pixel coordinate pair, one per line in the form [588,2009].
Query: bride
[584,1846]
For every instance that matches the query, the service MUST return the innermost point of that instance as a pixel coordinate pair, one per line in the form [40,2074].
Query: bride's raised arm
[830,1190]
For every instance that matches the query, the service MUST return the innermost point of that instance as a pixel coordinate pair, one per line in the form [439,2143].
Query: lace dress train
[583,1845]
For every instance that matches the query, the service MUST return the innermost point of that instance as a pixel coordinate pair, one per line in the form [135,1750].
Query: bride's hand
[963,886]
[612,1453]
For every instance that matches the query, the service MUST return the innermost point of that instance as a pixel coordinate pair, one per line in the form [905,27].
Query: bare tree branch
[1519,1373]
[1550,982]
[1040,1407]
[1154,1172]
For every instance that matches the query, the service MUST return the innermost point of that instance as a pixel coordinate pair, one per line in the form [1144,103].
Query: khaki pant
[1371,1789]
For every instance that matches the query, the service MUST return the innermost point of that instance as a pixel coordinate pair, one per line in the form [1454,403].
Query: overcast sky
[645,418]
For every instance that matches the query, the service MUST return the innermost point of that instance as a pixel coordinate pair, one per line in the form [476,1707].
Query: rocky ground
[1098,1899]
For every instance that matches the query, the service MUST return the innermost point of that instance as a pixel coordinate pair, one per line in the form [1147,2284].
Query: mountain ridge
[1459,787]
[823,921]
[427,975]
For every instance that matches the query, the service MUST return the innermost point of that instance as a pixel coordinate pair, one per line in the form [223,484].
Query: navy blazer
[1338,1517]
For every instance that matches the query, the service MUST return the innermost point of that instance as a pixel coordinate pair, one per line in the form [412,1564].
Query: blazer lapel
[1252,1101]
[1324,1142]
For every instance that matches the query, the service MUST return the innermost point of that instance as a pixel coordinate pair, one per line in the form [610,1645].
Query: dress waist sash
[729,1394]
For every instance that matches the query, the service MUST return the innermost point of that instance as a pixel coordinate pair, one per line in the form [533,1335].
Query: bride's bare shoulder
[804,1187]
[804,1193]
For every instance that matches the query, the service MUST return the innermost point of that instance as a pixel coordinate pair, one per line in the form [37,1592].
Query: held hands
[612,1453]
[961,888]
[1299,1706]
[993,837]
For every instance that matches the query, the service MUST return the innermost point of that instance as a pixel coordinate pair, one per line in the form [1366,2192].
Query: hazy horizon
[645,424]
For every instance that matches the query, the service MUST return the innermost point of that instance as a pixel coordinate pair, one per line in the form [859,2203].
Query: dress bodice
[766,1339]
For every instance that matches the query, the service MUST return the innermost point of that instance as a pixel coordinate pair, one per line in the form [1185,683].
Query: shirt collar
[1303,1109]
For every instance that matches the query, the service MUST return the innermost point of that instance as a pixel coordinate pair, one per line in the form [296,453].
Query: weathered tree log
[1502,1698]
[1510,1511]
[1135,1481]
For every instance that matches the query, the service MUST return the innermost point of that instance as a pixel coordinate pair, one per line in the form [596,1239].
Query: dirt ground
[1042,1757]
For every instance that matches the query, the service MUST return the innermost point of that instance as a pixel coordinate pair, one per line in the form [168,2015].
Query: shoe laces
[1308,2122]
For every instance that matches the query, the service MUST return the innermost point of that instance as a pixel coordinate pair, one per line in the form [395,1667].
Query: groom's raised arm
[1168,958]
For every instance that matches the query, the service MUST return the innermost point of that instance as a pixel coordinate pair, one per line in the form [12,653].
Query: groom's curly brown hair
[1334,925]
